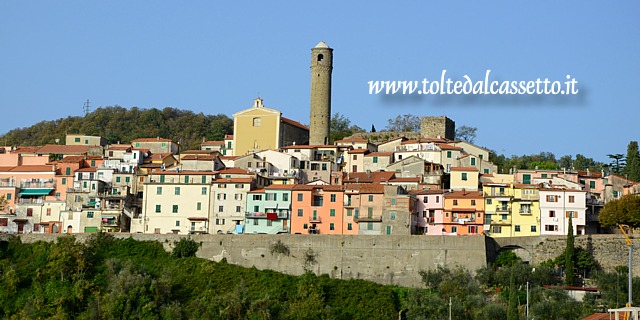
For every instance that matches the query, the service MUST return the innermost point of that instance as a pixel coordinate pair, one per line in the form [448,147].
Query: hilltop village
[275,175]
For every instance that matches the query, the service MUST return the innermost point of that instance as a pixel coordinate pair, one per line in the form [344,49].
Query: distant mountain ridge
[118,124]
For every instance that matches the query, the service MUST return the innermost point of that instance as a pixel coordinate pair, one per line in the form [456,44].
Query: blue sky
[212,58]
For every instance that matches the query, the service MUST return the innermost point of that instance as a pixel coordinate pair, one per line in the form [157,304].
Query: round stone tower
[320,111]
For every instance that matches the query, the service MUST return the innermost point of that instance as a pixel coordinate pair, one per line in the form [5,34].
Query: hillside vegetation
[124,125]
[109,278]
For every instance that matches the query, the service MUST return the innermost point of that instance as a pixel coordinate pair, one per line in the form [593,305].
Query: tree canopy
[632,167]
[404,123]
[341,127]
[466,133]
[625,210]
[118,124]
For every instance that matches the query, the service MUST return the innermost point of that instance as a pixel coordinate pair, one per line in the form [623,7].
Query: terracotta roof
[464,169]
[118,147]
[87,169]
[364,177]
[357,151]
[159,156]
[306,187]
[445,146]
[72,159]
[185,173]
[209,152]
[234,170]
[233,180]
[379,154]
[213,143]
[280,187]
[464,194]
[598,316]
[365,187]
[157,139]
[408,179]
[228,157]
[294,123]
[298,146]
[63,149]
[352,139]
[25,150]
[35,168]
[427,192]
[228,137]
[201,157]
[561,190]
[6,168]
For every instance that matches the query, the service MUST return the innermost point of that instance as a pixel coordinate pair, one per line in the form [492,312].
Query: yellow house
[498,198]
[511,210]
[464,178]
[259,128]
[526,210]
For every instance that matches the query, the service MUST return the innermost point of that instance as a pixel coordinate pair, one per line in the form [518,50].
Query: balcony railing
[315,219]
[464,220]
[263,215]
[37,184]
[501,222]
[7,183]
[28,201]
[368,218]
[503,208]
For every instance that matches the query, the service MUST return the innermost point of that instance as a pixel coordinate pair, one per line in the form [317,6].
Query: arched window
[320,57]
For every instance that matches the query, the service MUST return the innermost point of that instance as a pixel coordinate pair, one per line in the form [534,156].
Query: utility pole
[449,308]
[527,314]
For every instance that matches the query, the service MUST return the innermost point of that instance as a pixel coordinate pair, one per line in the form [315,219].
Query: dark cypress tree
[569,253]
[632,169]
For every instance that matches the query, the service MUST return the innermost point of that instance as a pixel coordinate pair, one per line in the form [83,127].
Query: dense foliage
[625,210]
[108,278]
[120,124]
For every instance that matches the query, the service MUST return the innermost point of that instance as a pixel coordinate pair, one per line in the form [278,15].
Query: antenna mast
[86,107]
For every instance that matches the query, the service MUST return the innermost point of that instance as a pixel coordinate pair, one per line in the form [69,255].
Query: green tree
[566,162]
[404,123]
[625,210]
[185,248]
[466,133]
[569,278]
[512,310]
[617,162]
[632,167]
[341,127]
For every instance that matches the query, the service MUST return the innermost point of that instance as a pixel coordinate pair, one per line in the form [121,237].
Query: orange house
[317,209]
[463,213]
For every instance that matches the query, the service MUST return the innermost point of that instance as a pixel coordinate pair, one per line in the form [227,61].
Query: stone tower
[320,107]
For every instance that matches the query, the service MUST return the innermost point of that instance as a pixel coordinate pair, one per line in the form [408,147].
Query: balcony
[368,218]
[263,215]
[501,222]
[38,184]
[464,220]
[349,203]
[7,183]
[530,197]
[315,219]
[526,211]
[30,201]
[503,208]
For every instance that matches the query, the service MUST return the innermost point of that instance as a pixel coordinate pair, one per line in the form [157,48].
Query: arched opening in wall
[320,57]
[522,253]
[69,229]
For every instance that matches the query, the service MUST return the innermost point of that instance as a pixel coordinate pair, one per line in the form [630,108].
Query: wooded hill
[118,124]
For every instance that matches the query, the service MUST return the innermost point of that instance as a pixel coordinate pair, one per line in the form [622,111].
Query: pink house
[430,208]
